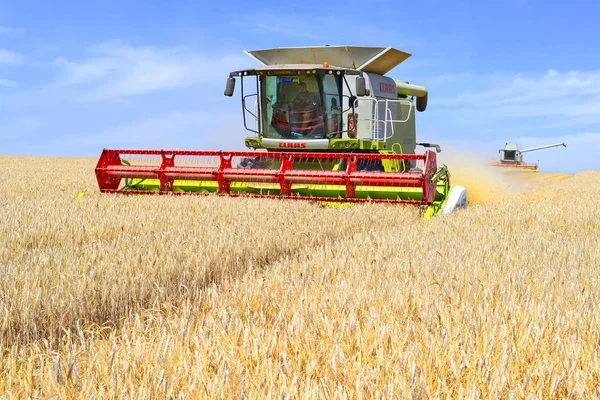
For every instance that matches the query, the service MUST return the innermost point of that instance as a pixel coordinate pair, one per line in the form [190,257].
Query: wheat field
[184,297]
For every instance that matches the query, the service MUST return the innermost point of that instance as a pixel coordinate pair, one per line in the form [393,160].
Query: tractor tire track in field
[67,262]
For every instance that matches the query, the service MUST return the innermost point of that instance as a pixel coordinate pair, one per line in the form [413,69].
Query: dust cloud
[483,182]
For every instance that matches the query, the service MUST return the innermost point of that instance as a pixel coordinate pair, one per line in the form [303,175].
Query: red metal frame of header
[110,170]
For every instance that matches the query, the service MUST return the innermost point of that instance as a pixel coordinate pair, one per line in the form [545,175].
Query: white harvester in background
[512,157]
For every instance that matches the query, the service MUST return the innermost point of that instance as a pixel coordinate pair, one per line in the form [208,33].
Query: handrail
[375,121]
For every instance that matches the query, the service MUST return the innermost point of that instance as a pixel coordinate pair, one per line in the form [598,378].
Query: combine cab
[327,125]
[512,157]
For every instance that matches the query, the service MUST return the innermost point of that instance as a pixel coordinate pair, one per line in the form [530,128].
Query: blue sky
[77,77]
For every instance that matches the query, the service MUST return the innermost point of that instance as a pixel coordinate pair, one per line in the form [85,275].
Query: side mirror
[230,87]
[361,86]
[351,101]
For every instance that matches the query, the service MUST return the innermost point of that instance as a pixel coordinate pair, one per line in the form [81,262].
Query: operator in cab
[304,100]
[305,117]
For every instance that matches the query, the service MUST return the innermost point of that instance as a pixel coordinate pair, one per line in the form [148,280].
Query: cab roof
[378,60]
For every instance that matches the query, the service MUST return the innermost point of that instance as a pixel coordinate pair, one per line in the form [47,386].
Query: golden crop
[144,297]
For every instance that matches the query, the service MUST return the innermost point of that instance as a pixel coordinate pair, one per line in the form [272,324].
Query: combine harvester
[512,157]
[328,126]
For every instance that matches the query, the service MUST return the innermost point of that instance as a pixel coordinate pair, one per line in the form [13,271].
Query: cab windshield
[301,107]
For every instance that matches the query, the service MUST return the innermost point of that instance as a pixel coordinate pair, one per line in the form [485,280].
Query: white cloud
[582,152]
[483,112]
[7,31]
[20,128]
[113,71]
[10,58]
[319,28]
[521,88]
[116,70]
[576,140]
[7,83]
[85,71]
[552,100]
[197,130]
[286,25]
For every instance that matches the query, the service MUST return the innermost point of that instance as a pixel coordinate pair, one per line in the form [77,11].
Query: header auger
[328,126]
